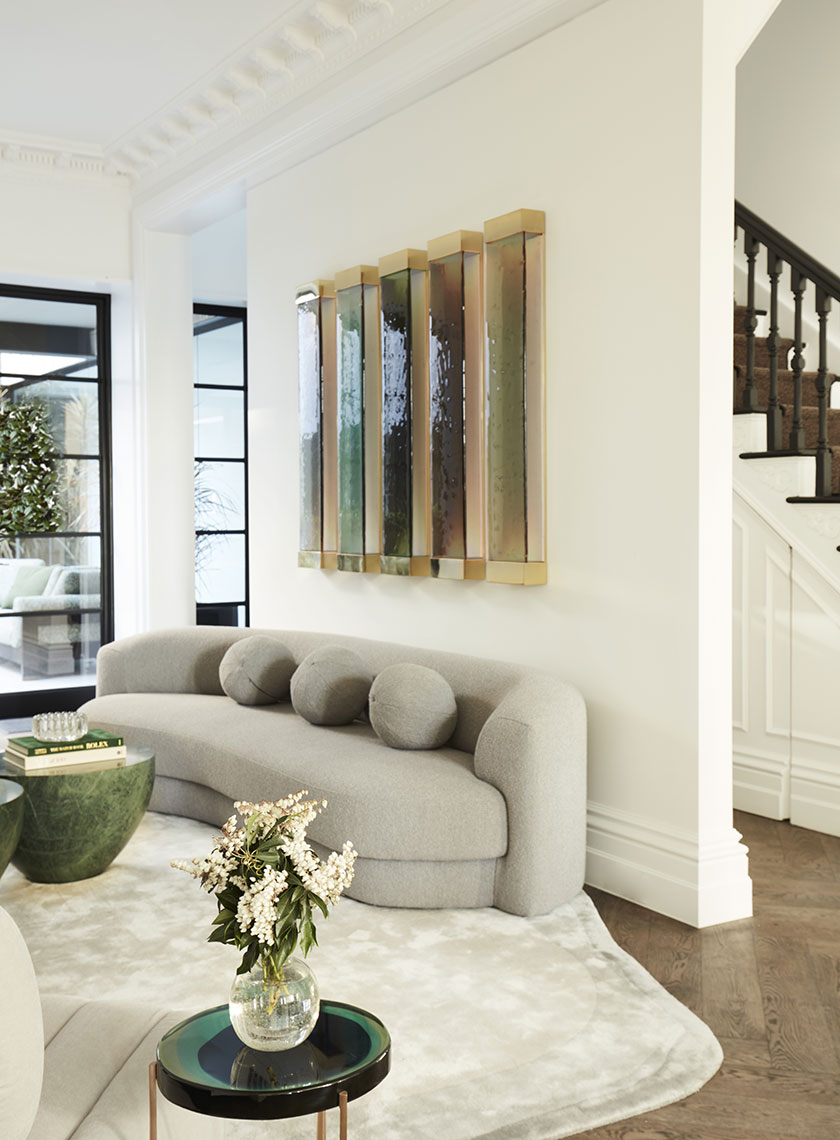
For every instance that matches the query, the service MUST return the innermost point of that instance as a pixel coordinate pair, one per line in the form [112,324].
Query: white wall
[629,152]
[64,227]
[218,261]
[788,126]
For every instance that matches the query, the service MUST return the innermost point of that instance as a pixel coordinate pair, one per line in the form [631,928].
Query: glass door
[56,579]
[221,465]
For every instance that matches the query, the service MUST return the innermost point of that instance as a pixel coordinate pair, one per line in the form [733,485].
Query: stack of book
[96,749]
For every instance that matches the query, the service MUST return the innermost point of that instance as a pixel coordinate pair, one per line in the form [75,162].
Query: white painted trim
[761,783]
[815,796]
[743,725]
[667,869]
[447,45]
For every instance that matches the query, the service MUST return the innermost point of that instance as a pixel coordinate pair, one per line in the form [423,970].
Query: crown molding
[446,41]
[39,155]
[322,71]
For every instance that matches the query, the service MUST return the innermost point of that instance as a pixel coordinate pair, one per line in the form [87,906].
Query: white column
[165,426]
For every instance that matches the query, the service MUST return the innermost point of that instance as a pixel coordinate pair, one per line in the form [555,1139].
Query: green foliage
[29,500]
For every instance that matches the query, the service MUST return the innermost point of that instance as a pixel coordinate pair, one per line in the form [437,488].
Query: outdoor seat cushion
[420,805]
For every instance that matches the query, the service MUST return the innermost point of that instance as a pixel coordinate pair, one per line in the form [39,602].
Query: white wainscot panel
[761,666]
[815,728]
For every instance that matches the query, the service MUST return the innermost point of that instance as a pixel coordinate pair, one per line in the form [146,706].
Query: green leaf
[319,902]
[218,934]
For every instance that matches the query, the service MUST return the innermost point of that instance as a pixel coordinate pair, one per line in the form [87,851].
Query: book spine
[70,746]
[69,758]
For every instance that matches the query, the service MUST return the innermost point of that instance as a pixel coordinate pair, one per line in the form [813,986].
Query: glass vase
[273,1014]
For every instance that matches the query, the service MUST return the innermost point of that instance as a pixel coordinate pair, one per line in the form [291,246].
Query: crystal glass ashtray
[59,726]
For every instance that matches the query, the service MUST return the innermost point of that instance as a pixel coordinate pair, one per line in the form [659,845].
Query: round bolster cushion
[412,707]
[257,670]
[331,686]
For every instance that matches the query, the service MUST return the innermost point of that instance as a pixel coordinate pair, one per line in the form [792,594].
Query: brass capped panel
[459,241]
[421,566]
[358,275]
[329,560]
[310,559]
[517,573]
[458,569]
[516,222]
[353,563]
[313,290]
[403,259]
[372,564]
[395,564]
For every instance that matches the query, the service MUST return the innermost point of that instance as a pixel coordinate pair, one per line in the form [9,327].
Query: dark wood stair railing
[804,269]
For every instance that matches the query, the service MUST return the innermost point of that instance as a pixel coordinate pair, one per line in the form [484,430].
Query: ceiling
[91,71]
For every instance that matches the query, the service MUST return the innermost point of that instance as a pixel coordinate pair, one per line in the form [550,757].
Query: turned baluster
[823,450]
[774,412]
[749,399]
[798,281]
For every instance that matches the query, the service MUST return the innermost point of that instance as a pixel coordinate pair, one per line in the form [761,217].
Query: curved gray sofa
[495,818]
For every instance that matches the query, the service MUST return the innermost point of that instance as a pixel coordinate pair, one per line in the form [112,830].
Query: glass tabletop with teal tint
[203,1066]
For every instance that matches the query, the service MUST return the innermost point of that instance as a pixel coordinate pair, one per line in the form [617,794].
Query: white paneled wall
[761,663]
[786,681]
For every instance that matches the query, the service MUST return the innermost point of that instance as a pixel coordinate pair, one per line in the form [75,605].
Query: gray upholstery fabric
[22,1037]
[331,686]
[257,670]
[96,1074]
[531,757]
[431,809]
[412,706]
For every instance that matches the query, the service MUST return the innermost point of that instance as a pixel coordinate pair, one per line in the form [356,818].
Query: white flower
[257,909]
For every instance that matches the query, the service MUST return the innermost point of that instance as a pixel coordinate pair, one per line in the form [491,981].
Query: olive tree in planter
[29,498]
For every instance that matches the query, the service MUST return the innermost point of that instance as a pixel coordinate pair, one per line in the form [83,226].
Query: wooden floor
[769,988]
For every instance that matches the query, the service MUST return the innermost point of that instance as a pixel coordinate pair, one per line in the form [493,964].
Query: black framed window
[221,465]
[56,543]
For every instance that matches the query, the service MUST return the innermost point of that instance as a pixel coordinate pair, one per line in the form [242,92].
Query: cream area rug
[502,1028]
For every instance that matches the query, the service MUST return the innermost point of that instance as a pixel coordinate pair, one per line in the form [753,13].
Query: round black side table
[203,1066]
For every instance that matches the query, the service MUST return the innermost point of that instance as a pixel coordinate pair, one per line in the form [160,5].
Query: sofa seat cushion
[423,805]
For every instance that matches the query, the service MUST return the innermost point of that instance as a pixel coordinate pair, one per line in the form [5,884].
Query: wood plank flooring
[769,988]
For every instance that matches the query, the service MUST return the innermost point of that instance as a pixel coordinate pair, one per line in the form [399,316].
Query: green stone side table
[203,1066]
[11,820]
[75,823]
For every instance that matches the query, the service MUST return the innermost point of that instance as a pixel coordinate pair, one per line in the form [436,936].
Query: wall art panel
[405,421]
[456,406]
[515,396]
[317,390]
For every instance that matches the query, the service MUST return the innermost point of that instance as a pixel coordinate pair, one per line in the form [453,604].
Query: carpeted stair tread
[739,317]
[811,424]
[762,384]
[762,357]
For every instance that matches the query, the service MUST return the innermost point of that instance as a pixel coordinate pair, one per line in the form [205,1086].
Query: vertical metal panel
[329,430]
[350,439]
[405,432]
[373,425]
[456,406]
[515,419]
[316,382]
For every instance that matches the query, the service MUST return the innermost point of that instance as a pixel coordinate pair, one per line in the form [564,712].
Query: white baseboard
[701,883]
[761,783]
[815,797]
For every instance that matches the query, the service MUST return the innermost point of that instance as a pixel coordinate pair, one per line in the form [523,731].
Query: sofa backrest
[187,661]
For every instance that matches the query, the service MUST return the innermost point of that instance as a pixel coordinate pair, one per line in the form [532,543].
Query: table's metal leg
[342,1116]
[322,1126]
[153,1101]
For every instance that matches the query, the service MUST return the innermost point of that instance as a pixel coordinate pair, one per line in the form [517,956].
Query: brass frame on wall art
[422,409]
[515,324]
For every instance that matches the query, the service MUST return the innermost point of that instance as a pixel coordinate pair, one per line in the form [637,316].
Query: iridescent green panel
[506,453]
[351,365]
[446,395]
[396,414]
[309,381]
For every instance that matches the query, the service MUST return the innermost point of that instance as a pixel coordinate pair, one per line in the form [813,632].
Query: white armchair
[76,1068]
